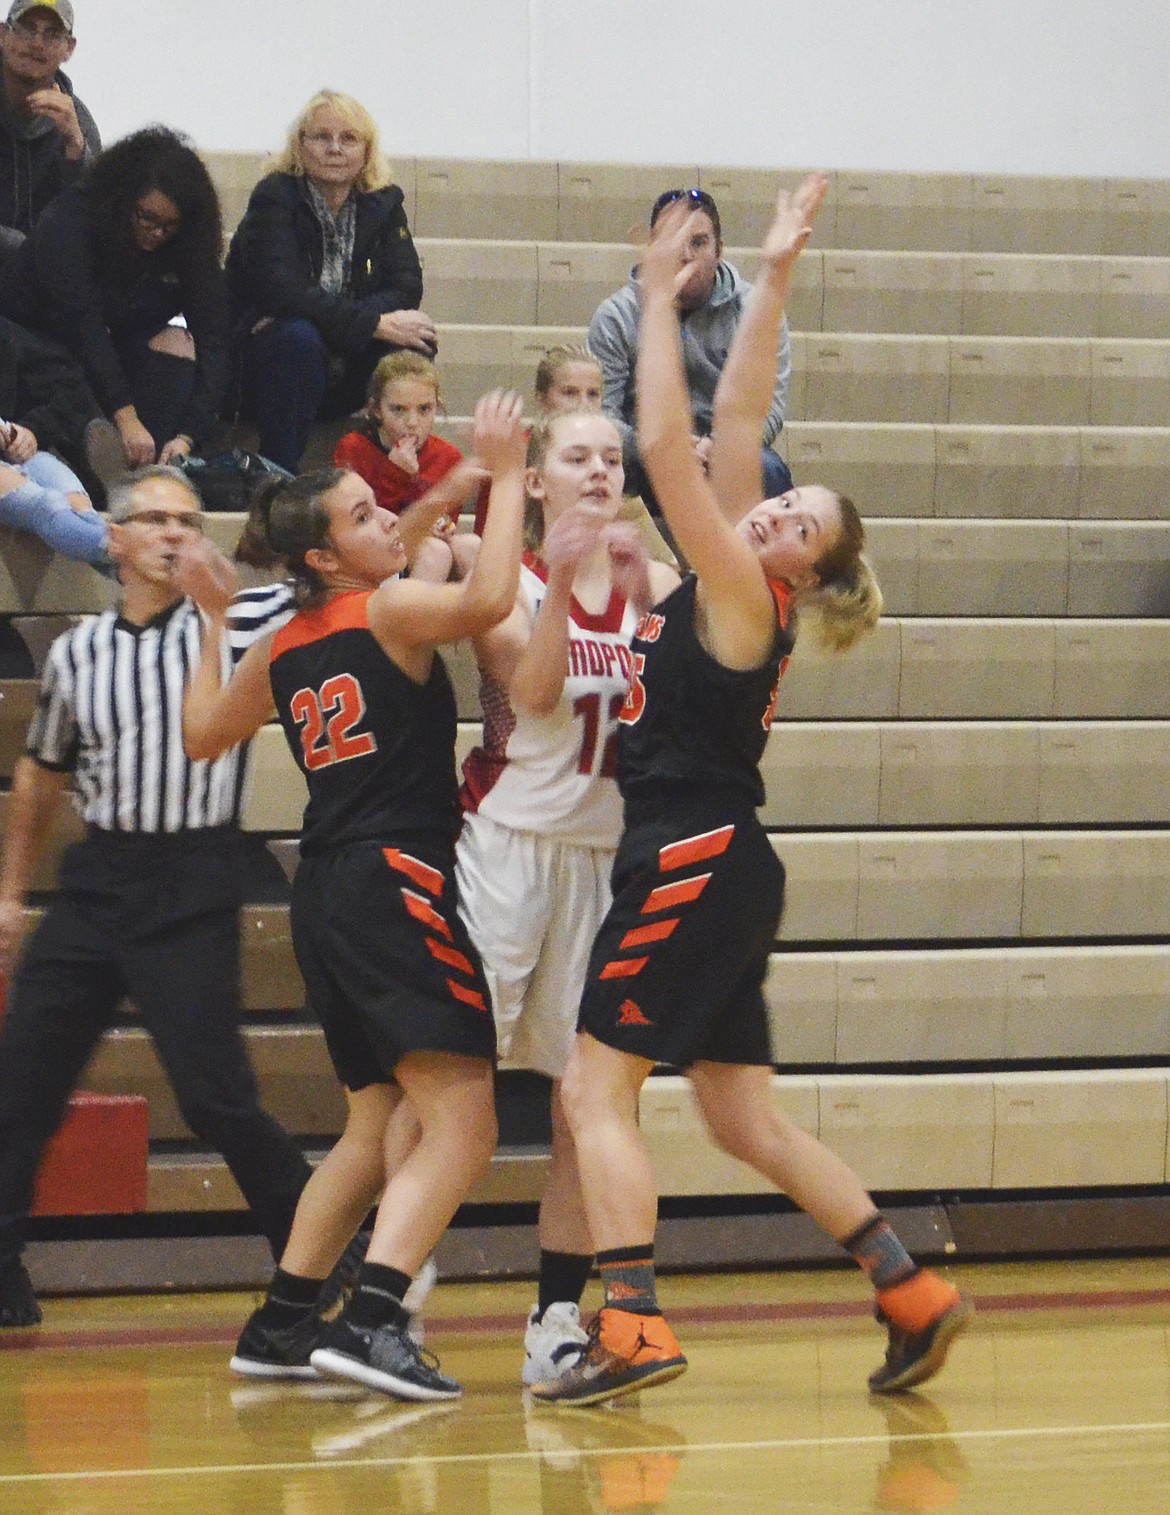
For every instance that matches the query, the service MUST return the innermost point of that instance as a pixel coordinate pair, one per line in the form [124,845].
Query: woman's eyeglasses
[164,226]
[324,140]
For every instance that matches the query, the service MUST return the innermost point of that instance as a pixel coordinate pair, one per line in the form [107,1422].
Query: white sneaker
[553,1344]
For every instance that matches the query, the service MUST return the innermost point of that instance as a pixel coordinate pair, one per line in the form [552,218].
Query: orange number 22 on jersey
[327,717]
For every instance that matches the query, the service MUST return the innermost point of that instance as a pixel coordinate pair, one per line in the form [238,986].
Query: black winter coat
[54,283]
[42,387]
[274,263]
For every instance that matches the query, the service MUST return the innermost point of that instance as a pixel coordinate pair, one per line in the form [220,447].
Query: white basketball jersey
[556,774]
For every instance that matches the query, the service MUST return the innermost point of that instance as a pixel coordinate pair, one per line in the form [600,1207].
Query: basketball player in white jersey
[543,811]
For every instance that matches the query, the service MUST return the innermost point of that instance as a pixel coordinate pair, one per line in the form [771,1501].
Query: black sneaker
[386,1358]
[340,1284]
[914,1356]
[265,1351]
[18,1303]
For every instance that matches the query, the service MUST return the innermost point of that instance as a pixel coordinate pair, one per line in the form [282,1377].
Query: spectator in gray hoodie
[46,134]
[710,302]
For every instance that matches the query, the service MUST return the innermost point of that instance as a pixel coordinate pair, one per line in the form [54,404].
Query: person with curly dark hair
[110,264]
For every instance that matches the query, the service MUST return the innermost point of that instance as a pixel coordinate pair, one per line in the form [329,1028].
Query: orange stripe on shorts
[418,872]
[470,997]
[695,849]
[624,969]
[644,934]
[422,911]
[667,896]
[451,956]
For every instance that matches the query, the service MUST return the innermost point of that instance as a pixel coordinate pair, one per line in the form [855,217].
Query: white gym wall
[987,86]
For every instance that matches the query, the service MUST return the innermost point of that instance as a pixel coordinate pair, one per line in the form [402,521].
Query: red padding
[96,1163]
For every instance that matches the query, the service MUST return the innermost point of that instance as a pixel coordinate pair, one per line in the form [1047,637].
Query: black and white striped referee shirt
[111,711]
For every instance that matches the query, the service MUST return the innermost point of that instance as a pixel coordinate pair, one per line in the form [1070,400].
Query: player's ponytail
[847,603]
[539,441]
[288,519]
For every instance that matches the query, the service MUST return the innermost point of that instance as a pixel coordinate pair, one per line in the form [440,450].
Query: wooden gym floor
[1057,1400]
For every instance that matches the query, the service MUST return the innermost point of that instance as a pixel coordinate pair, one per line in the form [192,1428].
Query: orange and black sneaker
[626,1353]
[923,1316]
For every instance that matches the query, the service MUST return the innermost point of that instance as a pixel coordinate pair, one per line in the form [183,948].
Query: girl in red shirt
[397,454]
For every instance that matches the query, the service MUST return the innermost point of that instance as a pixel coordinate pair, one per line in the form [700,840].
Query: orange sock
[916,1302]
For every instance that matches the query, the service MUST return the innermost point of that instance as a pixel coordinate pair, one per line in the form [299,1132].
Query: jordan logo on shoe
[643,1345]
[630,1015]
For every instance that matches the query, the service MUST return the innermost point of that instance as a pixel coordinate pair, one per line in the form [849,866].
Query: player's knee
[574,1098]
[480,1131]
[731,1134]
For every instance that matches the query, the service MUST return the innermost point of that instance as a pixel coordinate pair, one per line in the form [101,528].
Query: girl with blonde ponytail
[678,967]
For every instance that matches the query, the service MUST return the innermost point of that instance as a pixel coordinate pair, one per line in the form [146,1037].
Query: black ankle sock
[290,1298]
[563,1276]
[377,1300]
[627,1275]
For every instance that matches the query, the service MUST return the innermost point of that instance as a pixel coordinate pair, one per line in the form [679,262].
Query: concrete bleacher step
[946,885]
[889,773]
[993,1005]
[600,202]
[557,283]
[927,567]
[863,376]
[900,1132]
[961,667]
[996,473]
[194,1182]
[1010,883]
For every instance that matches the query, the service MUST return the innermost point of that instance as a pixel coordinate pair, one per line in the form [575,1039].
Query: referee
[148,902]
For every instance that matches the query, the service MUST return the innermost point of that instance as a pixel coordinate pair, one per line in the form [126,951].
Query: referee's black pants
[144,918]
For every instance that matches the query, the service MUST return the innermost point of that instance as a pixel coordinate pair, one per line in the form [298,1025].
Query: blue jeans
[776,479]
[291,377]
[40,506]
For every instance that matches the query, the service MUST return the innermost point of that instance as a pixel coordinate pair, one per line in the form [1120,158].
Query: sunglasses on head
[698,199]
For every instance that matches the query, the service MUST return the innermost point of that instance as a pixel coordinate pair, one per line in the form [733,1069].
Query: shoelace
[421,1355]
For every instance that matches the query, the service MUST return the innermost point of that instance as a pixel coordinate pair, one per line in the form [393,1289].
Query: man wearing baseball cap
[46,134]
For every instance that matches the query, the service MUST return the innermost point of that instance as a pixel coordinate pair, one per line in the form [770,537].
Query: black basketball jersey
[377,749]
[689,721]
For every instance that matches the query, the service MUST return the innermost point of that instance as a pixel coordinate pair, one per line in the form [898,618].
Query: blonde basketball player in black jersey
[369,713]
[678,967]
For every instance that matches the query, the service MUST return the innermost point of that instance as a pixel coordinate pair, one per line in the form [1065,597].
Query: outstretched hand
[629,563]
[793,220]
[572,536]
[664,265]
[498,431]
[203,572]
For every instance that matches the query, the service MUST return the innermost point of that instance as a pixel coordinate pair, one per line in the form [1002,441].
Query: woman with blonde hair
[325,276]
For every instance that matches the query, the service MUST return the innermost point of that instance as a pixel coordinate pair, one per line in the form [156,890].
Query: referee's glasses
[189,520]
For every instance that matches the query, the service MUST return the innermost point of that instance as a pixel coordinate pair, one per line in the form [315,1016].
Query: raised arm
[747,384]
[447,497]
[219,713]
[406,614]
[530,658]
[737,600]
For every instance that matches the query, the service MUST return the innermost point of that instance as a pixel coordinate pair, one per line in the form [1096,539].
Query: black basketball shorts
[678,967]
[387,962]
